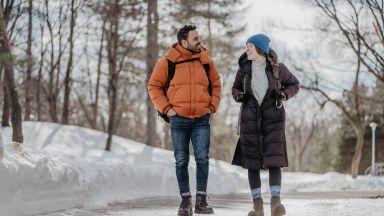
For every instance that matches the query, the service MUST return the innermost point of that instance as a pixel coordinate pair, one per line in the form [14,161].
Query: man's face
[193,42]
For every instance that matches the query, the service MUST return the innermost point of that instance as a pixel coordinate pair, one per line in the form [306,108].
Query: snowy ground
[65,167]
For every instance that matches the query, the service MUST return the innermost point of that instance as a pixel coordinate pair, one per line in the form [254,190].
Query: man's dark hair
[182,34]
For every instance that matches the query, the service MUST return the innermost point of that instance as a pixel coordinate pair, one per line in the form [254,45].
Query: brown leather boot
[201,206]
[277,209]
[185,208]
[257,208]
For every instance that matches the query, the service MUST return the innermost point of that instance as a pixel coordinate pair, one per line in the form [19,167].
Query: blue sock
[275,190]
[256,193]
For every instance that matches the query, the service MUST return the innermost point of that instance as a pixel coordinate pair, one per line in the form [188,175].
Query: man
[193,94]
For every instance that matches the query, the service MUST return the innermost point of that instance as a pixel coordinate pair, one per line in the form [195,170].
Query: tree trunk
[100,54]
[6,104]
[112,42]
[29,65]
[17,135]
[152,56]
[359,131]
[39,77]
[57,65]
[51,97]
[68,76]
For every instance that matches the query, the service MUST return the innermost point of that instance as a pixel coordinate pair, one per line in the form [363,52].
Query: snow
[61,167]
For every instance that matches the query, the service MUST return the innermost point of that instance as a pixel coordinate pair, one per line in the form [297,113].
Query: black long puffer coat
[262,141]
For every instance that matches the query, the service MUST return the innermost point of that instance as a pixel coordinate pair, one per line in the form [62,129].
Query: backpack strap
[171,73]
[207,68]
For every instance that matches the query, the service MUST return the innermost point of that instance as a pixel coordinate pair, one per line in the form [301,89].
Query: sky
[284,13]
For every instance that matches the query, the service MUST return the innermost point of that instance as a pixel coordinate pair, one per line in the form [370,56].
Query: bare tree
[112,46]
[352,108]
[351,27]
[151,59]
[28,81]
[68,76]
[52,90]
[40,75]
[364,36]
[9,79]
[97,87]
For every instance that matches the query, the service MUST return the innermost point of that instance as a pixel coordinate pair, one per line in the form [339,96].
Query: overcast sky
[284,13]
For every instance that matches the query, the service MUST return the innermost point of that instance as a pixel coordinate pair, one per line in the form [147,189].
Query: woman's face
[251,52]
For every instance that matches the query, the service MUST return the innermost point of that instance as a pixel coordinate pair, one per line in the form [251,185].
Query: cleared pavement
[297,204]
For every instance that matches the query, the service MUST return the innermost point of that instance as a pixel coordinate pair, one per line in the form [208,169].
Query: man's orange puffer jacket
[188,91]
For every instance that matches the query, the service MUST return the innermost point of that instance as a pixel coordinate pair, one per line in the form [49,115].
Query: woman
[261,84]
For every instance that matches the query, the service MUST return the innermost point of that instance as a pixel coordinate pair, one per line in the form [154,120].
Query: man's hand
[171,112]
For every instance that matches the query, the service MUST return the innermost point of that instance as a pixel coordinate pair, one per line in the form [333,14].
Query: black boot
[201,206]
[185,208]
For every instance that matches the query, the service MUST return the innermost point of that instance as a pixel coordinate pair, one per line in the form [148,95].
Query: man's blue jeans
[198,130]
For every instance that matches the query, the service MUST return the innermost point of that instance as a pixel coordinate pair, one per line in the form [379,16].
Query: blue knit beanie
[261,41]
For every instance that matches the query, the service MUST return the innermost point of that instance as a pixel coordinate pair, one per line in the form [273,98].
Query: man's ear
[184,43]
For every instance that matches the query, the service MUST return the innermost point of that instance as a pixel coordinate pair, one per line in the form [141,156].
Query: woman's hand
[283,97]
[239,97]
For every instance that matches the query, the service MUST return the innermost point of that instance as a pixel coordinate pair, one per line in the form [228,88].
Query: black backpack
[171,73]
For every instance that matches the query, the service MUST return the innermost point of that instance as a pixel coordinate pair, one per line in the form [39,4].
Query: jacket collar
[177,53]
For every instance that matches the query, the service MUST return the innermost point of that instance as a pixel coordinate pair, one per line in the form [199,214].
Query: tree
[366,45]
[11,16]
[97,87]
[364,36]
[112,46]
[151,59]
[52,89]
[40,75]
[6,112]
[6,59]
[28,81]
[68,76]
[351,106]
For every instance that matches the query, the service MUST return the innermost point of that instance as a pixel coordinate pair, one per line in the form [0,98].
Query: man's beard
[194,50]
